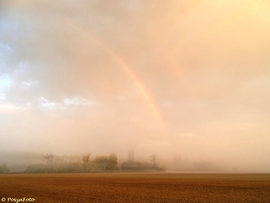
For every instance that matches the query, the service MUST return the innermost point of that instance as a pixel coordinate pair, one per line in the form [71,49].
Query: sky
[164,77]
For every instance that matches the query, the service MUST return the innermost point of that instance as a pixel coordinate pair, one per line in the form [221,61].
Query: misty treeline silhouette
[58,165]
[132,165]
[87,165]
[4,168]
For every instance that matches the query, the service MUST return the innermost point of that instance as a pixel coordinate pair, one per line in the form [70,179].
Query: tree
[36,168]
[49,158]
[4,168]
[105,163]
[86,158]
[153,161]
[112,161]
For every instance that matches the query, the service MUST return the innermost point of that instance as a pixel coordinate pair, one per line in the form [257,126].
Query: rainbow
[146,94]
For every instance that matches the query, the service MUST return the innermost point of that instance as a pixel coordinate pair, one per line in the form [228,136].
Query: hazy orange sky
[161,77]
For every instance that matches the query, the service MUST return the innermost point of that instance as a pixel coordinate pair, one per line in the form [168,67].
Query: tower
[131,156]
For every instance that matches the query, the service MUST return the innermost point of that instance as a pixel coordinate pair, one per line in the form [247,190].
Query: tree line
[87,164]
[53,165]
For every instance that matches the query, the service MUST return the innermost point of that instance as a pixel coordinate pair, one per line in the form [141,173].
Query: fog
[187,81]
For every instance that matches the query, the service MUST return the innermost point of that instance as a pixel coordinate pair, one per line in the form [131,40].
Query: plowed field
[135,187]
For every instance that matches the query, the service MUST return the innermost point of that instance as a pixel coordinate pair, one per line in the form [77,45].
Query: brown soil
[135,187]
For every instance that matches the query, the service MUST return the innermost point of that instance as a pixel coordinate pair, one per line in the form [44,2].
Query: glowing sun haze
[161,77]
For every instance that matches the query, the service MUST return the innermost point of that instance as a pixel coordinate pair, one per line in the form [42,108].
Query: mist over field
[186,81]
